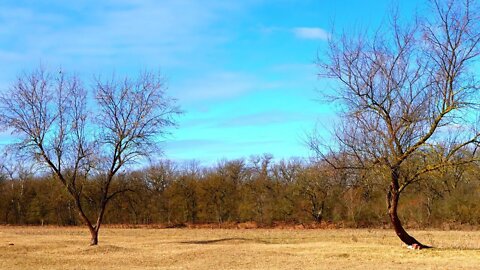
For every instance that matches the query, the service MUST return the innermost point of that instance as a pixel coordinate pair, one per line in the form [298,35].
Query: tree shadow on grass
[221,240]
[455,249]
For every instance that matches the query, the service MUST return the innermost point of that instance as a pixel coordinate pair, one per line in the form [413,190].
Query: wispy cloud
[265,118]
[311,33]
[231,79]
[220,85]
[127,35]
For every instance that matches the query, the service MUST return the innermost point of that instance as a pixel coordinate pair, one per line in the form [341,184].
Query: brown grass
[67,248]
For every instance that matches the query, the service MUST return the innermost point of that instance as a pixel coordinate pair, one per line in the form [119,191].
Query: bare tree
[49,114]
[406,91]
[313,185]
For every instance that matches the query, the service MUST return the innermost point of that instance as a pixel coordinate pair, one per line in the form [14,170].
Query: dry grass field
[67,248]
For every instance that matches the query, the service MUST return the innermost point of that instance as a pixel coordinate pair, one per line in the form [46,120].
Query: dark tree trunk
[7,213]
[96,228]
[93,232]
[393,197]
[93,229]
[317,212]
[94,237]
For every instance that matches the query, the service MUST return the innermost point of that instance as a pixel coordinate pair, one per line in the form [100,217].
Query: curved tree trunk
[393,197]
[397,225]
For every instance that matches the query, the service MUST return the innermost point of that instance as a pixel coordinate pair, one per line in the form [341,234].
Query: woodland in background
[254,190]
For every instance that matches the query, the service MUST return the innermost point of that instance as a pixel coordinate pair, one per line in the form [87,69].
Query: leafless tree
[78,142]
[406,91]
[313,184]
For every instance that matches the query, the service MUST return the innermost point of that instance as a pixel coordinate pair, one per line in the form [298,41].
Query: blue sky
[243,71]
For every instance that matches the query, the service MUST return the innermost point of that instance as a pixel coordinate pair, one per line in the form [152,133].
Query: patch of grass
[67,248]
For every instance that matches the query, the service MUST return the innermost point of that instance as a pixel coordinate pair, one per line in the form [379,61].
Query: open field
[67,248]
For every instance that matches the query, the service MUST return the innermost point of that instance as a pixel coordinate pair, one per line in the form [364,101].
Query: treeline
[254,190]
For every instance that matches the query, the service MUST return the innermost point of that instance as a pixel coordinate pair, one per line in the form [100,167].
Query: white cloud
[311,33]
